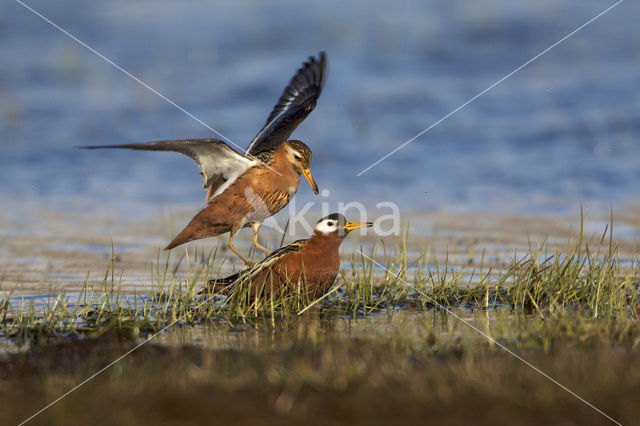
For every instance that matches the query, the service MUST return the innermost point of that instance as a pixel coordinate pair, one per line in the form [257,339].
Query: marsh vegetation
[399,337]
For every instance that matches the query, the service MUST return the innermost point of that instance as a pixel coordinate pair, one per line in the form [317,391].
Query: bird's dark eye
[330,223]
[297,157]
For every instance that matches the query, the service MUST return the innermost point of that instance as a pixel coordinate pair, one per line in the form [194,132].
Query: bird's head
[337,224]
[299,155]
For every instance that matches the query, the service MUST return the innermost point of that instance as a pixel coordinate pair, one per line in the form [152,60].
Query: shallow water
[372,326]
[253,332]
[560,132]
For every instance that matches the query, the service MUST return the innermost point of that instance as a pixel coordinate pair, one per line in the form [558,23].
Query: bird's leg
[256,226]
[233,249]
[209,193]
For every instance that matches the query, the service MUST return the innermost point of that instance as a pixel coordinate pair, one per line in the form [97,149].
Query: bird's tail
[196,231]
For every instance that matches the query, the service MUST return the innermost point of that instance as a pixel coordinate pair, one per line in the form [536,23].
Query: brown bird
[244,190]
[315,261]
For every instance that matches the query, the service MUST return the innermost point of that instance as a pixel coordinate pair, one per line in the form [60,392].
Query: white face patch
[327,226]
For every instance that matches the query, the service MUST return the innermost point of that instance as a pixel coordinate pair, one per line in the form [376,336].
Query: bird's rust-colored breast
[264,190]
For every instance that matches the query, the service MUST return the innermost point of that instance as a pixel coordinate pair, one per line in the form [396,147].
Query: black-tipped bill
[307,175]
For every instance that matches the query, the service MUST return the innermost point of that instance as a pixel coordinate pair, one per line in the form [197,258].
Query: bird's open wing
[219,162]
[297,101]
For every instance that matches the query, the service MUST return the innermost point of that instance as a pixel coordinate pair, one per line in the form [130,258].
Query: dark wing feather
[219,162]
[297,101]
[228,282]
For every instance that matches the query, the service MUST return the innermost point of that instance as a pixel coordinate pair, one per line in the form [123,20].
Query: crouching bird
[314,262]
[244,190]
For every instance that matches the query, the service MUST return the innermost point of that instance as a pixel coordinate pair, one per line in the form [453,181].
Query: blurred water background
[561,132]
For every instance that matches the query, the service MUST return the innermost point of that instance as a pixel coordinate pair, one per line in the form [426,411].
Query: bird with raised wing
[314,262]
[244,190]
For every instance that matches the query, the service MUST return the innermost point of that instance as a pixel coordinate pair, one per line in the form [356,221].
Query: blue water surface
[560,132]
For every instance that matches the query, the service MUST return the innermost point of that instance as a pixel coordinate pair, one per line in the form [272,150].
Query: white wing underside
[220,171]
[219,163]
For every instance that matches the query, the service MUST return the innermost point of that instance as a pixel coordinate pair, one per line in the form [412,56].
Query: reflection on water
[414,324]
[254,333]
[561,131]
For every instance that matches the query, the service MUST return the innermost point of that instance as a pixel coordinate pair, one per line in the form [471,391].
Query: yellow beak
[350,226]
[307,174]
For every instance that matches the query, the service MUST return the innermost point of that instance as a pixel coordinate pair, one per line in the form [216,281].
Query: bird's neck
[323,252]
[327,241]
[280,162]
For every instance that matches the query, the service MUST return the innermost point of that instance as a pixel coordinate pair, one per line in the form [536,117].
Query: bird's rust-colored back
[315,266]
